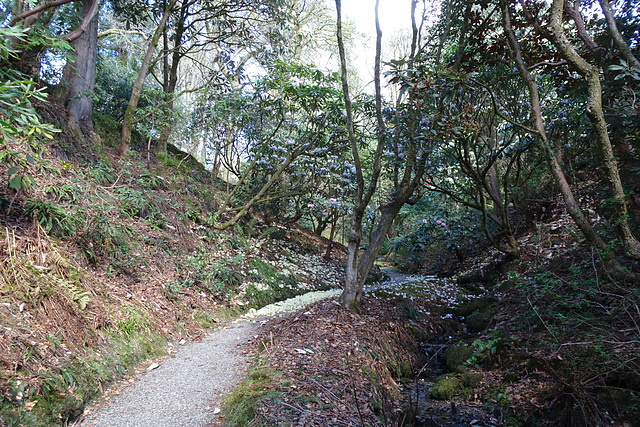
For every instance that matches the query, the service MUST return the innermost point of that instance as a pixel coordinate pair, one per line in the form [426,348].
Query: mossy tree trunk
[605,253]
[129,115]
[350,297]
[591,74]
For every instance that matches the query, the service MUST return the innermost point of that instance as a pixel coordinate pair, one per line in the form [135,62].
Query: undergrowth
[260,385]
[58,394]
[579,331]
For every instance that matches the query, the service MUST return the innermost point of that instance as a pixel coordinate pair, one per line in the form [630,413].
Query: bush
[52,218]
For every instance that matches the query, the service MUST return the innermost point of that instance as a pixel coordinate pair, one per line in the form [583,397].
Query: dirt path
[182,391]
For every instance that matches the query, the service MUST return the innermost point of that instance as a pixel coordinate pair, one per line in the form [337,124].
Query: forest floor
[317,357]
[105,266]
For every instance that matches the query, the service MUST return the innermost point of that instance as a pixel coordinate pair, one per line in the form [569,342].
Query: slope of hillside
[102,264]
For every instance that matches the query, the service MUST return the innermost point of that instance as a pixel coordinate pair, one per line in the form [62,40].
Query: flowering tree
[480,157]
[296,121]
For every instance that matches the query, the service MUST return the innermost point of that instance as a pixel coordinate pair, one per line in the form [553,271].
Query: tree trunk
[80,72]
[350,297]
[332,235]
[501,213]
[171,75]
[369,256]
[605,253]
[125,138]
[591,75]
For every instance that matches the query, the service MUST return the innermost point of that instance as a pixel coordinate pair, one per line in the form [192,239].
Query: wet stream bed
[436,299]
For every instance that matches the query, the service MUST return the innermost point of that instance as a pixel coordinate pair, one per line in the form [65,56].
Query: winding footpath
[185,390]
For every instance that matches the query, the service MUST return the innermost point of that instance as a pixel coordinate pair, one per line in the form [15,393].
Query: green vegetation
[498,145]
[64,390]
[260,385]
[456,357]
[446,387]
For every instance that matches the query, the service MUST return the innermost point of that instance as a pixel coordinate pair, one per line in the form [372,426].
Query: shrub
[51,217]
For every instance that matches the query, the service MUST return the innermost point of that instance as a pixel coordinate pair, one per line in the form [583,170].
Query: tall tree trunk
[595,114]
[80,72]
[350,297]
[605,253]
[125,138]
[171,75]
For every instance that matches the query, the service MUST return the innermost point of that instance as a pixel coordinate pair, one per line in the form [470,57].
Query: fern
[63,192]
[60,265]
[57,261]
[80,295]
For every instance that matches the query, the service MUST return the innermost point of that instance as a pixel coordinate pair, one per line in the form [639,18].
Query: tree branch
[38,9]
[85,22]
[620,43]
[122,32]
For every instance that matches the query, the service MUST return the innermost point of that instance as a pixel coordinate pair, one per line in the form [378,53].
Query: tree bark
[171,75]
[350,297]
[605,253]
[125,138]
[80,73]
[595,114]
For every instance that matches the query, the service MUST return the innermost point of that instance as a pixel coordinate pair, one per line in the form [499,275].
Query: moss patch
[480,319]
[446,387]
[239,407]
[471,379]
[454,357]
[479,304]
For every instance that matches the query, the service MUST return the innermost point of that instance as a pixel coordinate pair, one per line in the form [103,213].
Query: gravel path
[184,390]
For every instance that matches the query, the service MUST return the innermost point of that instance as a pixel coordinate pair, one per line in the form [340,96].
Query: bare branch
[38,9]
[122,33]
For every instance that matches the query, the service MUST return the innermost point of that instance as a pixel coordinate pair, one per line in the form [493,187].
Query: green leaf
[13,170]
[15,182]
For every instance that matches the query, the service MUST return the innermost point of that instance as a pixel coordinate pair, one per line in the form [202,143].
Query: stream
[421,408]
